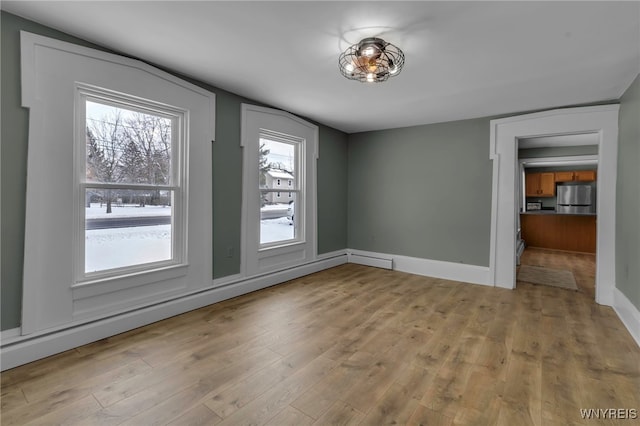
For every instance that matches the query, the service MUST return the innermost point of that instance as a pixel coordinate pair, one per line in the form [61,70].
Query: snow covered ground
[275,230]
[279,206]
[121,247]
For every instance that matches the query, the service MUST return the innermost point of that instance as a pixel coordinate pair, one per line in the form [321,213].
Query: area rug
[545,276]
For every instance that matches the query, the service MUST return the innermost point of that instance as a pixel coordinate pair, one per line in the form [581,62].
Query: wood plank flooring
[350,345]
[583,265]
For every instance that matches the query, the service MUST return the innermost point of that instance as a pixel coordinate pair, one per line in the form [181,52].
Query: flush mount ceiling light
[372,60]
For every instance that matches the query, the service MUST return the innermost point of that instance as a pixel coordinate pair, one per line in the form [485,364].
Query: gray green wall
[628,196]
[422,191]
[332,191]
[227,175]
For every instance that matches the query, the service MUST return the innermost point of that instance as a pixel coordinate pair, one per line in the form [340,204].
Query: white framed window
[130,187]
[278,232]
[68,278]
[272,148]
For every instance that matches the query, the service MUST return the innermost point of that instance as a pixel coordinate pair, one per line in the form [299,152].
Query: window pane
[125,227]
[277,162]
[127,146]
[277,217]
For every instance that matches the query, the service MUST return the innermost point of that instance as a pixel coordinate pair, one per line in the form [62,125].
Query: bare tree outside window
[105,139]
[128,170]
[263,164]
[129,147]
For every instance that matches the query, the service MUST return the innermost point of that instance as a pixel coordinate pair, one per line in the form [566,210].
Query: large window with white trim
[130,192]
[279,186]
[118,202]
[279,161]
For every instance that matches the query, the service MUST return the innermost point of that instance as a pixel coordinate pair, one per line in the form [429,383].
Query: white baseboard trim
[332,254]
[18,350]
[370,259]
[431,268]
[9,334]
[628,314]
[229,279]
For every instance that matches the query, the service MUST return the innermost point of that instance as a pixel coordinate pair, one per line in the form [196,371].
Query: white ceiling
[463,59]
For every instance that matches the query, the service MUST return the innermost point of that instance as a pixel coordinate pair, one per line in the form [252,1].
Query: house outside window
[281,156]
[272,180]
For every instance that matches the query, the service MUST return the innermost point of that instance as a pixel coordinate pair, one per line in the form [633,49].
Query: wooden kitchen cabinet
[584,176]
[564,176]
[576,176]
[559,231]
[540,184]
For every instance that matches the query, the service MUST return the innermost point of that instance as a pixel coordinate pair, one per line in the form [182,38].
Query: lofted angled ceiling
[463,59]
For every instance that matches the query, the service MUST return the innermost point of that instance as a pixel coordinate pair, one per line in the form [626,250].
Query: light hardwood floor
[350,345]
[583,265]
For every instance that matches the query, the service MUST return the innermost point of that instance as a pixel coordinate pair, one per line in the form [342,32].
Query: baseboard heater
[378,262]
[519,249]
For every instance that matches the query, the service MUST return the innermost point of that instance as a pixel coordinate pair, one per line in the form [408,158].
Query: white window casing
[56,78]
[176,184]
[256,258]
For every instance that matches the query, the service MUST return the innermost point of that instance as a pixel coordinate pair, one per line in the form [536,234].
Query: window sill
[284,247]
[85,289]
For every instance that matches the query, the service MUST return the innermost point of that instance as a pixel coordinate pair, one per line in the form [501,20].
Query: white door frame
[504,136]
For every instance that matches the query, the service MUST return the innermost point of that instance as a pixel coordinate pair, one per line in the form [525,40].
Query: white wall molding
[229,279]
[628,314]
[367,258]
[332,254]
[256,258]
[57,80]
[17,350]
[9,335]
[472,274]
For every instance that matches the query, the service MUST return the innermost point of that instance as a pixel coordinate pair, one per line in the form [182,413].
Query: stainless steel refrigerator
[576,199]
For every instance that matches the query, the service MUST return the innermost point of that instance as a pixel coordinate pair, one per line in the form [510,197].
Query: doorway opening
[556,211]
[505,134]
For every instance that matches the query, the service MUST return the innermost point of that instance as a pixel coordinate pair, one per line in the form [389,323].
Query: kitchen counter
[559,231]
